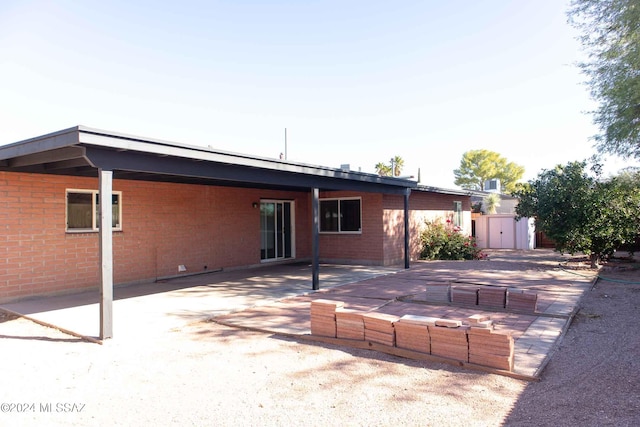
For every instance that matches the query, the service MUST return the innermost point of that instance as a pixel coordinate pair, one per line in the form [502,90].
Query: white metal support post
[106,254]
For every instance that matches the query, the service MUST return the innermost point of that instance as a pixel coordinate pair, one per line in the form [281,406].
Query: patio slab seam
[52,326]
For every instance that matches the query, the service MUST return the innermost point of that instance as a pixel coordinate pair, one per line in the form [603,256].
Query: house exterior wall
[507,204]
[436,207]
[481,230]
[163,225]
[423,206]
[393,220]
[356,248]
[166,224]
[382,237]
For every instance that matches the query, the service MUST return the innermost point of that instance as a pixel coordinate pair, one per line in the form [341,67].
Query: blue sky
[354,82]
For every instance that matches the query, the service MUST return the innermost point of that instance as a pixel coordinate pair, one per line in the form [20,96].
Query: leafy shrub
[446,242]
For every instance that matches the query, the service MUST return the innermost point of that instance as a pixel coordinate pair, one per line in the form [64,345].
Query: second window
[341,215]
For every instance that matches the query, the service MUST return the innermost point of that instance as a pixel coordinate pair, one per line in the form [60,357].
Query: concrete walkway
[277,298]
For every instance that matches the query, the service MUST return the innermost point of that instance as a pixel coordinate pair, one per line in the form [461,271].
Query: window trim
[94,195]
[339,199]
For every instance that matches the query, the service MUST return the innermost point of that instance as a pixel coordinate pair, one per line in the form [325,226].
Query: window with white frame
[457,214]
[341,215]
[83,210]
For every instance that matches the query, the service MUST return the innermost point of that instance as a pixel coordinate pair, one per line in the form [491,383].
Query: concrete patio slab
[277,298]
[535,334]
[147,309]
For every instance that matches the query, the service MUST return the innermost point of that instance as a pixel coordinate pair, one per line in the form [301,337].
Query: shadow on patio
[152,308]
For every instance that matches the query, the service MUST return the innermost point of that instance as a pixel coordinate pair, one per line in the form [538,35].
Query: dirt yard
[207,374]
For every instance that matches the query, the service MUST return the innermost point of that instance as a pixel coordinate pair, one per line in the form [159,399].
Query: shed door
[502,233]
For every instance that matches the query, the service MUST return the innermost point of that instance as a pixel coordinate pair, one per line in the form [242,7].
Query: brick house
[177,209]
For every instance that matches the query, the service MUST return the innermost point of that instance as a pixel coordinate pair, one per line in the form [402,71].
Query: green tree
[394,168]
[630,176]
[581,213]
[610,35]
[478,166]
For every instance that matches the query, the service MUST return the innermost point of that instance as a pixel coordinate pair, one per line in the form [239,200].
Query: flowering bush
[445,241]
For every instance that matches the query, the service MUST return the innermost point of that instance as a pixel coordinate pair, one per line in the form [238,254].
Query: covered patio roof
[80,151]
[83,151]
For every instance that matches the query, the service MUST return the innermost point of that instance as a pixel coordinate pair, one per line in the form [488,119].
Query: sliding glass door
[276,230]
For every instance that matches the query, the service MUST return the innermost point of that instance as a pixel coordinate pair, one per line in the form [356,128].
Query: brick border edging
[373,346]
[413,355]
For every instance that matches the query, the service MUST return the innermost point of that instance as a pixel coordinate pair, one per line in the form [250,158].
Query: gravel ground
[593,378]
[208,374]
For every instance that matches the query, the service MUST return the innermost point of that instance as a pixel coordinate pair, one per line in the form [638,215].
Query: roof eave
[85,136]
[164,148]
[38,144]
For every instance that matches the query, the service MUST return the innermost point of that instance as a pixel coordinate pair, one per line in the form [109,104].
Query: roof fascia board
[51,141]
[140,162]
[208,150]
[125,143]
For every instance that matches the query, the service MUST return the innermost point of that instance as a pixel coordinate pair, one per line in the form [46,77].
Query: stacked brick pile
[488,348]
[349,324]
[521,300]
[491,296]
[412,332]
[439,292]
[464,295]
[485,296]
[449,339]
[378,327]
[323,317]
[473,342]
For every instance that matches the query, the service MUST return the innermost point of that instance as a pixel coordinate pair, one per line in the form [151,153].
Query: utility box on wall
[504,232]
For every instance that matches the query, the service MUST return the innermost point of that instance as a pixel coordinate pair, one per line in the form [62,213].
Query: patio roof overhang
[82,151]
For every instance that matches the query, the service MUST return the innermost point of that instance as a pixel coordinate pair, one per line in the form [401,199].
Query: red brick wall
[363,248]
[426,201]
[393,214]
[163,225]
[382,237]
[422,205]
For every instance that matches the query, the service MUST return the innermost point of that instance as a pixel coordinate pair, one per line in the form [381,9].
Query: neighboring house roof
[80,150]
[441,190]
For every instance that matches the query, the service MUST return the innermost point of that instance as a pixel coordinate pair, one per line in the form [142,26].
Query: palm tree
[395,169]
[382,169]
[397,163]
